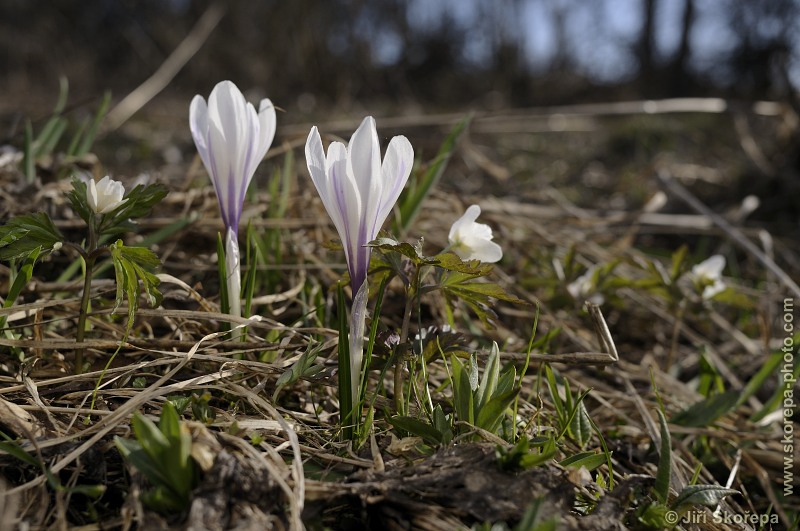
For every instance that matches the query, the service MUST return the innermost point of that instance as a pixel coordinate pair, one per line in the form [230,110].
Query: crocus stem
[358,317]
[234,278]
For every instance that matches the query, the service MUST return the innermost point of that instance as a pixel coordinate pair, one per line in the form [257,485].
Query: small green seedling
[163,455]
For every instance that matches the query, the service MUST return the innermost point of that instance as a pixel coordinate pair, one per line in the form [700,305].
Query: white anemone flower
[105,195]
[708,276]
[583,288]
[232,139]
[358,191]
[473,241]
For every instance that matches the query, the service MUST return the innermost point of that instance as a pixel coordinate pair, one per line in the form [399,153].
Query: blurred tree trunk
[645,47]
[679,77]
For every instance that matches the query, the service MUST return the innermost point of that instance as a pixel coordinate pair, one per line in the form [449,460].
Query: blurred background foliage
[436,54]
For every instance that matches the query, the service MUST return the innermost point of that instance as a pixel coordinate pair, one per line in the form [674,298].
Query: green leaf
[532,518]
[169,423]
[443,424]
[507,380]
[88,139]
[77,198]
[492,413]
[777,397]
[664,471]
[580,427]
[299,369]
[705,495]
[48,140]
[13,449]
[476,295]
[588,460]
[678,262]
[706,411]
[131,266]
[561,411]
[419,187]
[152,440]
[163,500]
[450,261]
[21,280]
[654,516]
[28,156]
[462,392]
[404,248]
[489,380]
[416,427]
[140,202]
[510,458]
[177,455]
[23,234]
[346,406]
[163,455]
[547,452]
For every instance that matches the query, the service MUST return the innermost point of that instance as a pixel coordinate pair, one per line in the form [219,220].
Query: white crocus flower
[106,195]
[473,241]
[232,139]
[707,275]
[358,191]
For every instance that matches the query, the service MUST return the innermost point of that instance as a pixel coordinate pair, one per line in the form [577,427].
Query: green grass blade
[63,94]
[76,139]
[664,461]
[91,133]
[373,331]
[29,157]
[249,281]
[420,188]
[50,136]
[345,384]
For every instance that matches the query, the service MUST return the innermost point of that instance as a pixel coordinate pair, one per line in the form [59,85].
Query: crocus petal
[347,201]
[364,165]
[396,168]
[267,121]
[317,167]
[198,124]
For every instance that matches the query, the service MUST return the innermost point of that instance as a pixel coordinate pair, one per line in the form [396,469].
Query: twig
[168,69]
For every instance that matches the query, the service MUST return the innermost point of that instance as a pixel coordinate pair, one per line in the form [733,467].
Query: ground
[564,190]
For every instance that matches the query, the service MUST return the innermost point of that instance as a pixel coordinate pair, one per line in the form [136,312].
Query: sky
[609,27]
